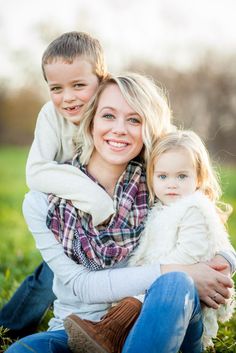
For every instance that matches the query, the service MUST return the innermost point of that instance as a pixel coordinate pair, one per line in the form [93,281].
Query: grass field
[18,256]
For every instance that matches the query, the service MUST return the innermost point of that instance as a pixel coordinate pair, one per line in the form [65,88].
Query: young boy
[73,66]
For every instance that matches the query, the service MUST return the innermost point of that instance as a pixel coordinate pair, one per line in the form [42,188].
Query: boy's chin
[73,119]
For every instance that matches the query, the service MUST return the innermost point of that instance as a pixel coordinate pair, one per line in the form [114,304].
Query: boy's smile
[71,86]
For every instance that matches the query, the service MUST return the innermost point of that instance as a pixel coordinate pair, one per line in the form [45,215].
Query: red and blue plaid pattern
[105,245]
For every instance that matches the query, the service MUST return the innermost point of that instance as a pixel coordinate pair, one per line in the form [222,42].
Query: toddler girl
[186,223]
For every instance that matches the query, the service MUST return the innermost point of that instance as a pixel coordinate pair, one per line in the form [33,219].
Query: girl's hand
[212,285]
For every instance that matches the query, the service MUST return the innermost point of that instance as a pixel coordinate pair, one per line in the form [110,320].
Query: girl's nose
[172,184]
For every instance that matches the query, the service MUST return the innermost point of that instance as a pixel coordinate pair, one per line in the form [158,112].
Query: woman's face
[117,130]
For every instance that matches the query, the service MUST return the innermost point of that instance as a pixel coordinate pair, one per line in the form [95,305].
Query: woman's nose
[119,126]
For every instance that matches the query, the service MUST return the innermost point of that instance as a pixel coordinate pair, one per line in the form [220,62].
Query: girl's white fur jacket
[185,232]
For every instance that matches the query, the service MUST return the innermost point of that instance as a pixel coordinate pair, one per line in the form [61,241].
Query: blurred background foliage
[202,98]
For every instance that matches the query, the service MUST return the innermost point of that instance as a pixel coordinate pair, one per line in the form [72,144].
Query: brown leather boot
[106,336]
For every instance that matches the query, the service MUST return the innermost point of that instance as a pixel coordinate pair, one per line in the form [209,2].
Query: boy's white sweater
[52,146]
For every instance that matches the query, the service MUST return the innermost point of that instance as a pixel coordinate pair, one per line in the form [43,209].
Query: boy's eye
[55,89]
[182,176]
[79,85]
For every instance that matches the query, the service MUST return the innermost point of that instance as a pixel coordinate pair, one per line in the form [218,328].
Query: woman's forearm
[207,280]
[89,286]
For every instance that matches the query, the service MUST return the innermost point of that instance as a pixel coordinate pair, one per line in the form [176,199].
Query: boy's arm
[52,144]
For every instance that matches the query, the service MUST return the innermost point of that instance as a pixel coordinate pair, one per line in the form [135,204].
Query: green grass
[18,256]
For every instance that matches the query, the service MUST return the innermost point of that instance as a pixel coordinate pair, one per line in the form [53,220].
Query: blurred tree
[18,115]
[204,100]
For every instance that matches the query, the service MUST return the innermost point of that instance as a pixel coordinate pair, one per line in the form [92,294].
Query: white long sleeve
[52,146]
[185,232]
[70,278]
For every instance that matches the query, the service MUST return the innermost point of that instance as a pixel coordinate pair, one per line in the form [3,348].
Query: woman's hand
[212,285]
[219,263]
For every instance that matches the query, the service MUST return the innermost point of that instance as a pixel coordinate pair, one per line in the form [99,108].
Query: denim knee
[173,283]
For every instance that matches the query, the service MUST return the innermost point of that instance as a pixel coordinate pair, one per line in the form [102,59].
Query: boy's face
[174,175]
[71,86]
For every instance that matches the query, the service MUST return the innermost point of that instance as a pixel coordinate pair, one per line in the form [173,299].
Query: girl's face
[174,175]
[117,130]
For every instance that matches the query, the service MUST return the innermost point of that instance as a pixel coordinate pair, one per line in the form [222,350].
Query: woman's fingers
[210,303]
[223,291]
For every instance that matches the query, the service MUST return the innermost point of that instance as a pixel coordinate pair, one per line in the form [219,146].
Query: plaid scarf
[105,245]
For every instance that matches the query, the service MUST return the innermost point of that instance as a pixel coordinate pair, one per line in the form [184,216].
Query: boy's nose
[69,96]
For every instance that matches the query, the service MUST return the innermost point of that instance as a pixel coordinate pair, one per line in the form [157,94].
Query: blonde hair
[71,45]
[144,97]
[207,178]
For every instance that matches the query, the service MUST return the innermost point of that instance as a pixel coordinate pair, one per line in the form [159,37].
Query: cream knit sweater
[52,146]
[186,232]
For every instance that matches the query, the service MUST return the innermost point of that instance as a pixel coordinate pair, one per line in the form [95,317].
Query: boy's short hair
[71,45]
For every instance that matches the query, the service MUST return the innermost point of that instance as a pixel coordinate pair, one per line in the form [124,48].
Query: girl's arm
[53,145]
[193,246]
[195,241]
[90,286]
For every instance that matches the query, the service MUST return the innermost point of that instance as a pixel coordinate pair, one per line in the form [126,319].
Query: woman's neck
[106,174]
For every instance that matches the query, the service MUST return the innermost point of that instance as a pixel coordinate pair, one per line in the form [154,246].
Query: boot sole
[79,341]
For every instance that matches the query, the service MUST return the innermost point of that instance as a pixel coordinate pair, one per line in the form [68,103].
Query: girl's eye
[162,176]
[182,176]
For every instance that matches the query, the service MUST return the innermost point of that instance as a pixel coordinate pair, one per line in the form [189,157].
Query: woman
[121,123]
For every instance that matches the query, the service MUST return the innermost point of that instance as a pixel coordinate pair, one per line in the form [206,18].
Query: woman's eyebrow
[110,108]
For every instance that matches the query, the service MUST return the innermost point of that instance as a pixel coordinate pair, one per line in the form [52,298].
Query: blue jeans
[27,306]
[170,319]
[43,342]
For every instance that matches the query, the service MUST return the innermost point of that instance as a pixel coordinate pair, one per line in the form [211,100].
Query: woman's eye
[134,120]
[182,176]
[108,116]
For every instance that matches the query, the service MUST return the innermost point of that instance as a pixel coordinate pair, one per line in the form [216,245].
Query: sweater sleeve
[193,244]
[45,174]
[90,286]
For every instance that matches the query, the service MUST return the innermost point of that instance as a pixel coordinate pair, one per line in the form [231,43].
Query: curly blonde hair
[207,178]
